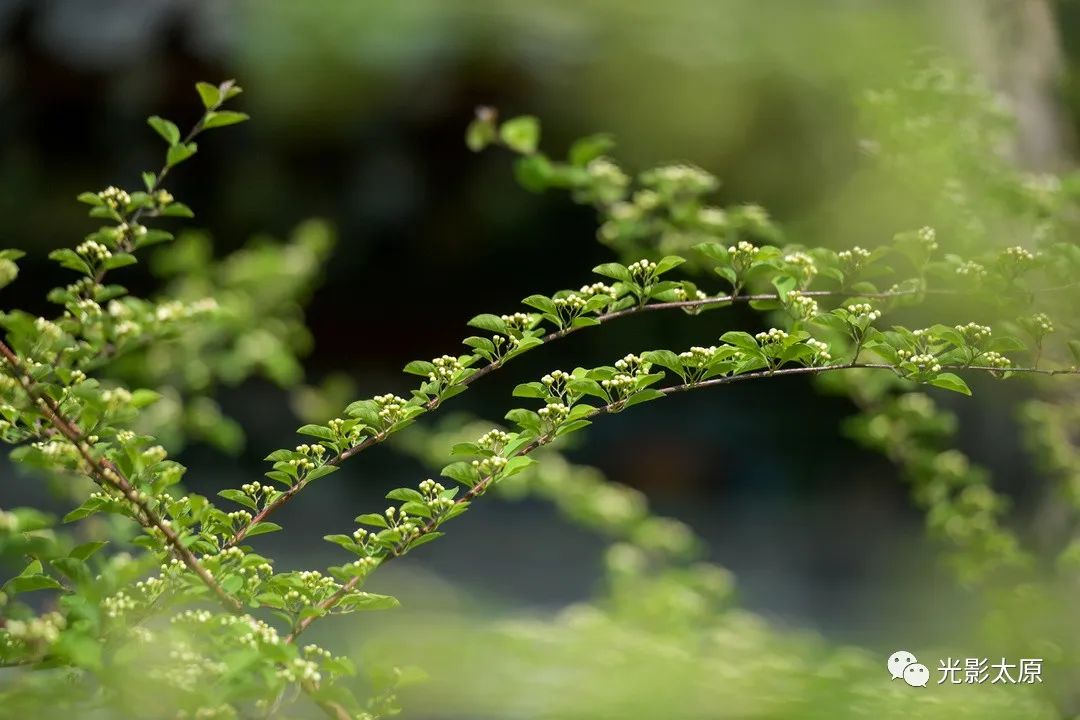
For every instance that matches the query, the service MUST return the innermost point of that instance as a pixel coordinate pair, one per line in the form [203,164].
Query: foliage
[213,629]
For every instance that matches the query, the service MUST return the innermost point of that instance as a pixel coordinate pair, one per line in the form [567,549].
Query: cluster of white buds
[970,268]
[1018,254]
[114,197]
[173,310]
[48,328]
[555,381]
[432,492]
[681,294]
[928,237]
[489,467]
[572,302]
[772,336]
[597,288]
[255,489]
[973,332]
[743,254]
[604,172]
[864,310]
[401,521]
[633,364]
[118,605]
[642,270]
[365,565]
[302,671]
[42,629]
[446,368]
[239,518]
[554,412]
[712,218]
[924,362]
[163,197]
[680,179]
[804,262]
[802,306]
[646,200]
[392,407]
[337,426]
[821,350]
[135,230]
[77,377]
[153,455]
[87,310]
[57,449]
[313,451]
[116,397]
[493,440]
[997,360]
[698,356]
[854,258]
[1041,324]
[518,321]
[302,465]
[624,211]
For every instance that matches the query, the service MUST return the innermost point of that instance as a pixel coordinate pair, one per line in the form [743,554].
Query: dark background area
[358,116]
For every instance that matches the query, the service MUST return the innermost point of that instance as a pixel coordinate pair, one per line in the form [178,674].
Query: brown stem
[105,473]
[482,485]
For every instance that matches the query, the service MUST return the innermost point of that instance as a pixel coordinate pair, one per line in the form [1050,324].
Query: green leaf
[372,519]
[665,359]
[481,131]
[320,472]
[221,118]
[668,263]
[740,339]
[643,396]
[69,259]
[90,199]
[521,134]
[366,601]
[419,367]
[533,172]
[119,260]
[179,153]
[210,95]
[949,381]
[491,323]
[144,397]
[165,129]
[86,550]
[462,472]
[319,431]
[405,495]
[588,148]
[239,497]
[30,583]
[614,271]
[262,528]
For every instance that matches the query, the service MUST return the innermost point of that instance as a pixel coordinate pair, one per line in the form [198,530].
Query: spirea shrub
[147,600]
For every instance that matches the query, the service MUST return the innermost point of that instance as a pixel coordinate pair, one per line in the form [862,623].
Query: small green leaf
[221,118]
[588,148]
[210,95]
[165,129]
[179,153]
[239,497]
[521,134]
[262,528]
[949,381]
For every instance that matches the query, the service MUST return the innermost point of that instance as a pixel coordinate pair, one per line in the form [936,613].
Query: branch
[482,485]
[432,404]
[105,473]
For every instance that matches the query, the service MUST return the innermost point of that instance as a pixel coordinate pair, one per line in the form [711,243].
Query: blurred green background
[359,110]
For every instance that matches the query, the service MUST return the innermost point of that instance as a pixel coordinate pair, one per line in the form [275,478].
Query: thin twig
[481,486]
[106,473]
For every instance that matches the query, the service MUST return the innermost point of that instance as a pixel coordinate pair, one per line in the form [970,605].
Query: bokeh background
[359,110]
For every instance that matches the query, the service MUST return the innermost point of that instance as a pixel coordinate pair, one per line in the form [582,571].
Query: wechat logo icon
[904,666]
